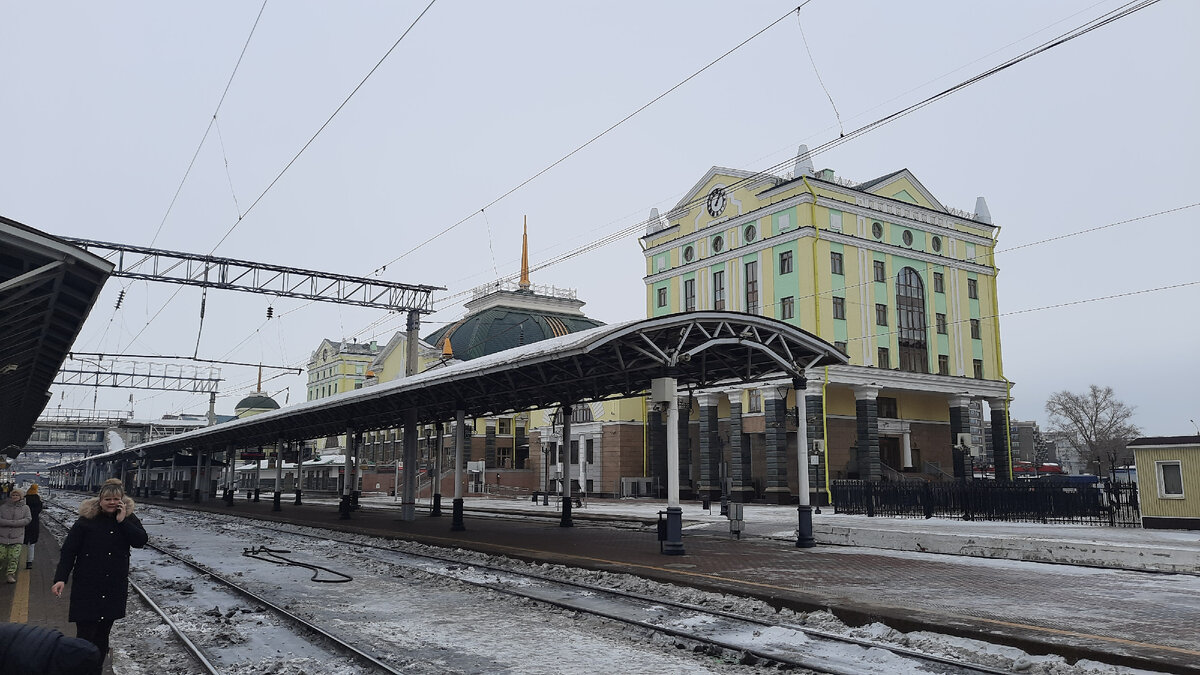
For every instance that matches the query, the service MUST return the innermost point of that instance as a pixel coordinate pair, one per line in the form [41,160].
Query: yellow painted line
[742,582]
[20,603]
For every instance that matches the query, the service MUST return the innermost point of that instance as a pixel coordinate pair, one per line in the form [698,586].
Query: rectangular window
[662,297]
[943,364]
[975,329]
[718,290]
[972,289]
[787,308]
[591,451]
[880,314]
[941,323]
[689,295]
[504,426]
[841,346]
[1170,479]
[835,263]
[574,453]
[839,308]
[887,407]
[752,287]
[785,262]
[755,397]
[939,283]
[978,369]
[880,271]
[885,358]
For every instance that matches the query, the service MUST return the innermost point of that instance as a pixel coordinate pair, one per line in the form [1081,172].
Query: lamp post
[804,530]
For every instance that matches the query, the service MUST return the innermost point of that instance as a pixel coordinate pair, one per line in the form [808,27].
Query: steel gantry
[140,262]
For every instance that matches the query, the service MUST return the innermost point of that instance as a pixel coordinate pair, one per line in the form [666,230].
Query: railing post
[869,497]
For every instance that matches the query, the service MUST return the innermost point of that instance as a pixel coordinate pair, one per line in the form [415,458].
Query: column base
[437,506]
[741,495]
[804,530]
[456,520]
[673,544]
[778,496]
[278,497]
[408,511]
[566,521]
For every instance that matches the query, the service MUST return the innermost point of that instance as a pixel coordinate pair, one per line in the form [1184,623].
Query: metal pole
[196,482]
[565,520]
[299,471]
[460,443]
[408,503]
[673,544]
[279,445]
[347,476]
[804,530]
[436,485]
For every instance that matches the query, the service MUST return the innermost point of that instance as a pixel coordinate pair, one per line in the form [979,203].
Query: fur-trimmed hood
[90,507]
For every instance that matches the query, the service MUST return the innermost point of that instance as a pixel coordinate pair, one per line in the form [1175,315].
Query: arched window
[910,308]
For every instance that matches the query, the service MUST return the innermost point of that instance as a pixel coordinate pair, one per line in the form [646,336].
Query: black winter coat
[97,549]
[34,650]
[34,503]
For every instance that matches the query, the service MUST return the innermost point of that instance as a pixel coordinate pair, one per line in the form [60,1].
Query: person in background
[14,516]
[96,550]
[34,502]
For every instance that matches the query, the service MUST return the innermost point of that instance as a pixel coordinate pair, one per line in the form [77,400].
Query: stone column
[687,483]
[960,423]
[710,446]
[1001,452]
[657,438]
[866,408]
[774,401]
[815,407]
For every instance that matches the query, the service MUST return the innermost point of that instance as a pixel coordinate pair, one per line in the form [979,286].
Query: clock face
[716,202]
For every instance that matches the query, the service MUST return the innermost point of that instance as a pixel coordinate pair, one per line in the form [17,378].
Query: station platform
[1141,619]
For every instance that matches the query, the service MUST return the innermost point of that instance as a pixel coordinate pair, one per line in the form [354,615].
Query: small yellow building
[1168,469]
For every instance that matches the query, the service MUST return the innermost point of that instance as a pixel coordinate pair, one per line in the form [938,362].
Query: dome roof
[256,401]
[498,328]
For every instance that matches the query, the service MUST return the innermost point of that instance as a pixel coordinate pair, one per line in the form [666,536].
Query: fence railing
[1111,504]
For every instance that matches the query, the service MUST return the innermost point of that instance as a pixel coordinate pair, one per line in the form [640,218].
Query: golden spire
[525,256]
[447,350]
[260,378]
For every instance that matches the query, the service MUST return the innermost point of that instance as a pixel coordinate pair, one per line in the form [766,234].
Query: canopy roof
[47,289]
[699,349]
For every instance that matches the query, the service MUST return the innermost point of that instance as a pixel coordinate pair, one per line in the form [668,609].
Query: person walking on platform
[97,551]
[34,502]
[14,516]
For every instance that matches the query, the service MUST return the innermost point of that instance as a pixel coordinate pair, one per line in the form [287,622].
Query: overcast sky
[103,105]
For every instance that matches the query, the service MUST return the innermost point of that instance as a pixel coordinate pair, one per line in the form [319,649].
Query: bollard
[275,506]
[297,496]
[256,491]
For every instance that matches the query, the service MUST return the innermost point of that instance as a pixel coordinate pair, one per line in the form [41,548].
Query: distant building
[339,366]
[902,284]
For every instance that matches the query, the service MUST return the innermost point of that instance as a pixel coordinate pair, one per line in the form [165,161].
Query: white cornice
[898,380]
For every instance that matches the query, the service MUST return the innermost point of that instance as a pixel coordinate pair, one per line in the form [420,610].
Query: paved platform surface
[1135,618]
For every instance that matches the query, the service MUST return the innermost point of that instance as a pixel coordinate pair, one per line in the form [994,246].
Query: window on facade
[978,363]
[718,281]
[841,346]
[941,323]
[835,263]
[718,243]
[750,233]
[787,308]
[907,238]
[972,289]
[936,242]
[689,253]
[939,282]
[910,315]
[689,295]
[662,297]
[1170,479]
[590,444]
[752,287]
[754,396]
[785,262]
[877,230]
[885,358]
[880,271]
[975,329]
[886,407]
[839,308]
[943,364]
[504,426]
[880,314]
[358,385]
[574,452]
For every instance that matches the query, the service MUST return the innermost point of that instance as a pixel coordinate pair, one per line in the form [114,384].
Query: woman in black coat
[97,550]
[34,502]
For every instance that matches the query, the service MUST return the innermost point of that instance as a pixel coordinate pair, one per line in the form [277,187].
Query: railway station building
[902,284]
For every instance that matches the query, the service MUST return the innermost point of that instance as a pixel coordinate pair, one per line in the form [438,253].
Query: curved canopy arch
[699,349]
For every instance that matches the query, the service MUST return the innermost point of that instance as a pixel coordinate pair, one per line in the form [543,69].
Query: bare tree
[1096,422]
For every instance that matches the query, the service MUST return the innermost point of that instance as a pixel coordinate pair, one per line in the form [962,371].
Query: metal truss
[138,375]
[137,262]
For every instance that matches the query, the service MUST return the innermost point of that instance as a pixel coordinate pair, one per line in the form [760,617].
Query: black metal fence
[1111,504]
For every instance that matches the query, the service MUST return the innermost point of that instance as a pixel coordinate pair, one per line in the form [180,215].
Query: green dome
[257,401]
[499,328]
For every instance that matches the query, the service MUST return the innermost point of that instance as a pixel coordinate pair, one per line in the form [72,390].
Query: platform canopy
[47,289]
[699,349]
